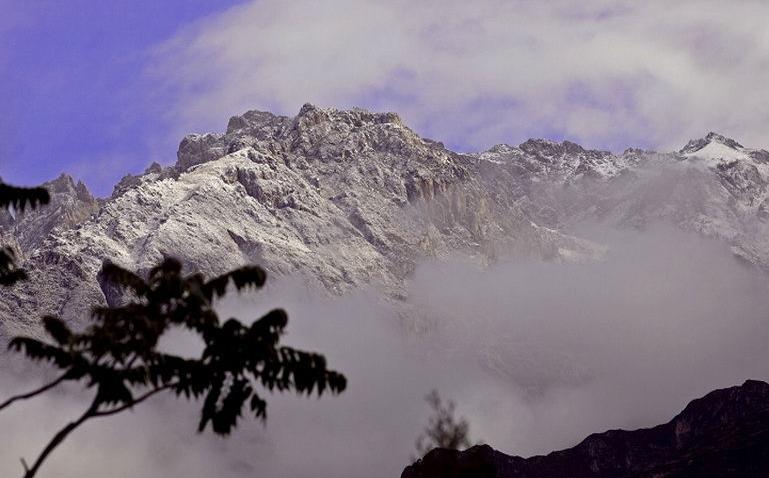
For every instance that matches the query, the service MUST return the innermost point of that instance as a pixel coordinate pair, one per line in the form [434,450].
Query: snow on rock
[348,198]
[343,198]
[715,149]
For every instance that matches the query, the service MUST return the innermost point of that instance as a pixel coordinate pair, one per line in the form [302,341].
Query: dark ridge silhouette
[723,434]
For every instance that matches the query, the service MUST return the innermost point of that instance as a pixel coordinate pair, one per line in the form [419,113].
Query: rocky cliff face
[344,198]
[713,186]
[350,198]
[723,434]
[71,204]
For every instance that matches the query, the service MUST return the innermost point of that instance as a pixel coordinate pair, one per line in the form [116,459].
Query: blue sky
[74,94]
[100,89]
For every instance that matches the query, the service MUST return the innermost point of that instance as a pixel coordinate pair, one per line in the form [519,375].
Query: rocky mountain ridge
[713,186]
[353,198]
[723,434]
[71,204]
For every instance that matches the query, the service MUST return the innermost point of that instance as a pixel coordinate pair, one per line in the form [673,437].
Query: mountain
[713,186]
[71,204]
[353,198]
[723,434]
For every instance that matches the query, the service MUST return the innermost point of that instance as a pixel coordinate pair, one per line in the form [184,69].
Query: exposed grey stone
[351,198]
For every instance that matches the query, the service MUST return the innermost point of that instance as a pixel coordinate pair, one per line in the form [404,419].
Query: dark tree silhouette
[443,429]
[117,355]
[17,199]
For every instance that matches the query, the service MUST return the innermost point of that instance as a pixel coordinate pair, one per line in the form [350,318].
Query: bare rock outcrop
[343,198]
[347,198]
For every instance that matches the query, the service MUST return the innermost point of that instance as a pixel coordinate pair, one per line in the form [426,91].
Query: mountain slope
[713,186]
[351,198]
[344,198]
[723,434]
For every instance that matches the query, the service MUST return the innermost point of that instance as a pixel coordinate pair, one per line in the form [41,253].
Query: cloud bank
[605,73]
[536,355]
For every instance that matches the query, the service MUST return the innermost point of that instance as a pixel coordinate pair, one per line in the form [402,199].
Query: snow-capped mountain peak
[352,197]
[716,137]
[715,147]
[715,150]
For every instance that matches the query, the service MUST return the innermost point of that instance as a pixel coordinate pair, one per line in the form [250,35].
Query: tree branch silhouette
[38,391]
[444,430]
[136,401]
[87,415]
[117,354]
[56,441]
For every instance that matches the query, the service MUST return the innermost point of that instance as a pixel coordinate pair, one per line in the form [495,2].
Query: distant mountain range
[351,198]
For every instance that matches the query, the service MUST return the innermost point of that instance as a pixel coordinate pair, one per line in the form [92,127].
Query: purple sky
[73,93]
[100,89]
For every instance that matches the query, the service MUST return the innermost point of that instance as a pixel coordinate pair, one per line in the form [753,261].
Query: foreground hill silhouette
[723,434]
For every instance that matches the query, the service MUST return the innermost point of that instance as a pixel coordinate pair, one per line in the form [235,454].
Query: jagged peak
[251,119]
[539,141]
[65,184]
[711,136]
[544,149]
[355,115]
[305,132]
[695,145]
[549,147]
[309,115]
[154,168]
[503,148]
[636,151]
[63,180]
[307,108]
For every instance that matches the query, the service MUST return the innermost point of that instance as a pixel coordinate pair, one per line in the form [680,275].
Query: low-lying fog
[536,355]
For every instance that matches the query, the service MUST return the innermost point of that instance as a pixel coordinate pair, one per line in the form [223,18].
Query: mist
[537,356]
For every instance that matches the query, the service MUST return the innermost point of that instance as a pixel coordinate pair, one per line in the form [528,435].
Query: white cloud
[536,355]
[609,74]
